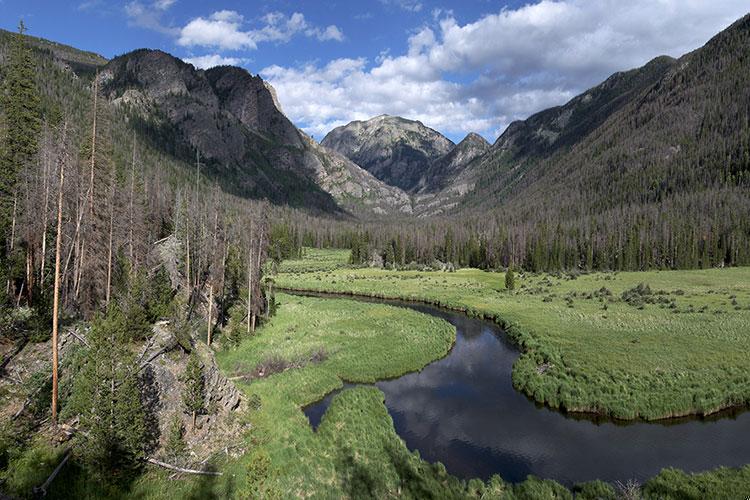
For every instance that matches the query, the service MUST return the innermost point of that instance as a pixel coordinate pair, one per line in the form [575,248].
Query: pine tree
[21,106]
[107,396]
[193,393]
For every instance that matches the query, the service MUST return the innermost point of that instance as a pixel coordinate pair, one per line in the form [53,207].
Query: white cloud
[225,30]
[164,4]
[408,5]
[221,30]
[148,15]
[212,60]
[504,66]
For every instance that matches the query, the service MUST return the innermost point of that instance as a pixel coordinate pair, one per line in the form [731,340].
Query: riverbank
[356,451]
[597,343]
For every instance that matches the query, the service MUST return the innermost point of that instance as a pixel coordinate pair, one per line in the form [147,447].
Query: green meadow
[629,345]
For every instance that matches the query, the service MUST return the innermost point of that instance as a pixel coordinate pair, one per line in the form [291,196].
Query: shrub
[510,279]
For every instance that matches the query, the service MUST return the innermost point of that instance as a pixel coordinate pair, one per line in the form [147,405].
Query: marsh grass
[631,345]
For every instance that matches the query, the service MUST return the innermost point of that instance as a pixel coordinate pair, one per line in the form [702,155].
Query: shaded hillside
[227,115]
[444,170]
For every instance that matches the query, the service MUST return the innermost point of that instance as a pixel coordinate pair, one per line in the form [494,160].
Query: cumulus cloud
[504,66]
[226,30]
[211,60]
[221,30]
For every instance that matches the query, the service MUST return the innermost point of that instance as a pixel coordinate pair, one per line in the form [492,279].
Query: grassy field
[314,260]
[308,349]
[598,342]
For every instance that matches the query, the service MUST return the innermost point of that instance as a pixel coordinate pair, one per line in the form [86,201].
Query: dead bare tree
[56,298]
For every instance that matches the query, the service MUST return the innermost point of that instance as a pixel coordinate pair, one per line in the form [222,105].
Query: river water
[463,411]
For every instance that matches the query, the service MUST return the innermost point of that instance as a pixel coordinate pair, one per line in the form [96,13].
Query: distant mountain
[443,171]
[395,150]
[246,143]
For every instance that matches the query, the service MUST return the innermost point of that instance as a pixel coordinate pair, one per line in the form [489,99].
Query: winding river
[463,411]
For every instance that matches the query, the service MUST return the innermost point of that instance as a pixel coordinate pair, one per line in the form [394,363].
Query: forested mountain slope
[650,169]
[669,128]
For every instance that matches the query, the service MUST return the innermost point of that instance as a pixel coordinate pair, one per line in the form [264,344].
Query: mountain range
[669,128]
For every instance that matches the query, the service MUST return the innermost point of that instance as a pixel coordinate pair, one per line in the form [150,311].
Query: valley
[510,268]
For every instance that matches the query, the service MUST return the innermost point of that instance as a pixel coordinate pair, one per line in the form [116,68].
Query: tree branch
[180,469]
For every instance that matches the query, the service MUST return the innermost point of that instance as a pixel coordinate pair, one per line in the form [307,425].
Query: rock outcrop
[395,150]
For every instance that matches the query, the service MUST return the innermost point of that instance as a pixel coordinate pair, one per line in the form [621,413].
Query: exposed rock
[395,150]
[217,428]
[246,142]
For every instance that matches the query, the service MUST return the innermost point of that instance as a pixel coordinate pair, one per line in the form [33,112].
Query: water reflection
[464,412]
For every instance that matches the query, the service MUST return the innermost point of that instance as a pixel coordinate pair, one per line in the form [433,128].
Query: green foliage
[314,259]
[510,279]
[284,242]
[673,484]
[594,490]
[175,447]
[535,487]
[193,394]
[29,468]
[144,298]
[107,397]
[258,471]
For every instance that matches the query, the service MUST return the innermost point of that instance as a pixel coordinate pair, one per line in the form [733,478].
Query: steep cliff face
[246,143]
[395,150]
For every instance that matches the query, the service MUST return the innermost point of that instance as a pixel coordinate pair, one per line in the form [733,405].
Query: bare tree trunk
[29,274]
[260,245]
[210,307]
[250,289]
[132,191]
[12,237]
[93,144]
[109,252]
[223,290]
[44,224]
[187,262]
[56,298]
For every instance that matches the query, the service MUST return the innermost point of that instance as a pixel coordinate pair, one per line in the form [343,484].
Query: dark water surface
[464,412]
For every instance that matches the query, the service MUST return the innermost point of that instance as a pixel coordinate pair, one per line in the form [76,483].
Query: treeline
[662,183]
[700,230]
[115,199]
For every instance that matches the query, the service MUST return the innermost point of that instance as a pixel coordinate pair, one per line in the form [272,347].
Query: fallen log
[42,490]
[180,469]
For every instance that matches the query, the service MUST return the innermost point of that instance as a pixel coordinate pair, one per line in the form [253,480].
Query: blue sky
[456,66]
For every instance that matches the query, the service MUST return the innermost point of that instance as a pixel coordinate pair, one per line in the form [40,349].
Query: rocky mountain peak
[394,149]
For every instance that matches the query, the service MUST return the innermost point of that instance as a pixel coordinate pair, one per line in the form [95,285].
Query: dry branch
[180,469]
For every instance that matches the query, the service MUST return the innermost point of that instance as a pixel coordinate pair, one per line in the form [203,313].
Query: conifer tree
[193,393]
[107,397]
[21,106]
